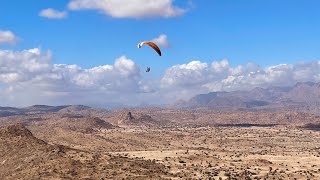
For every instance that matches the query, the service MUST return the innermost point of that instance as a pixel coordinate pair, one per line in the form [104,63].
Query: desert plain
[77,142]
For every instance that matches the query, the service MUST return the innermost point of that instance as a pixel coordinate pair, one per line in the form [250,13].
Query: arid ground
[159,144]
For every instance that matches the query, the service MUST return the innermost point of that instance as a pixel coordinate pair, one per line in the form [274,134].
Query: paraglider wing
[151,44]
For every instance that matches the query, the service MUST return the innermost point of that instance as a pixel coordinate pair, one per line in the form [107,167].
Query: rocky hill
[23,156]
[303,97]
[139,119]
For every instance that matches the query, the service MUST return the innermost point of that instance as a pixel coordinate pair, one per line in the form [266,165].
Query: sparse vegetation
[101,145]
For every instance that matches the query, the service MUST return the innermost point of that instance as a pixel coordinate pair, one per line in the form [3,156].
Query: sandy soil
[95,150]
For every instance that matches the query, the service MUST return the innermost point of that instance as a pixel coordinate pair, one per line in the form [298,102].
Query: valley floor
[275,152]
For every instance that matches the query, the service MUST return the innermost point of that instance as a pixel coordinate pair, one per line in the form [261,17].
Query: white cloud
[193,73]
[22,65]
[162,40]
[197,77]
[52,13]
[130,8]
[8,37]
[29,77]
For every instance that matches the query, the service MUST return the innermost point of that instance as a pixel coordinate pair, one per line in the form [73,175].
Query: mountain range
[303,96]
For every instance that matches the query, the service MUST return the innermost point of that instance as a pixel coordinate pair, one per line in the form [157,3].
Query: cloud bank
[129,8]
[29,77]
[199,77]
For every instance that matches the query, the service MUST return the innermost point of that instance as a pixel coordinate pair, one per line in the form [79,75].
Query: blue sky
[265,33]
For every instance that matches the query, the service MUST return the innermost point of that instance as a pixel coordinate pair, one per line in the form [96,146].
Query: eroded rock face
[129,117]
[125,118]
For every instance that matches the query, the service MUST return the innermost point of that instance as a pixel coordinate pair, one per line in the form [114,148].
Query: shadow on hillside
[314,127]
[246,125]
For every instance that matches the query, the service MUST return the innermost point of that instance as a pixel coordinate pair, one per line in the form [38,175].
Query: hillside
[24,156]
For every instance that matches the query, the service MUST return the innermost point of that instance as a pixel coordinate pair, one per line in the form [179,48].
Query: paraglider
[153,46]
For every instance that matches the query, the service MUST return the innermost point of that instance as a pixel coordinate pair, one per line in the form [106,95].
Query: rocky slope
[23,156]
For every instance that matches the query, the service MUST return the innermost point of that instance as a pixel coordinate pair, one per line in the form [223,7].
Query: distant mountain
[10,111]
[301,97]
[42,109]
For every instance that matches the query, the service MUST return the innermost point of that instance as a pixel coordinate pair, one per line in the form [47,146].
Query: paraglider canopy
[152,45]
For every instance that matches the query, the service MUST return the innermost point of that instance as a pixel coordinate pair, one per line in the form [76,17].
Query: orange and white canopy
[152,45]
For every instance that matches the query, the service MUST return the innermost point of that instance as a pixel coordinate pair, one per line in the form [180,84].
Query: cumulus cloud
[22,65]
[8,37]
[52,13]
[130,8]
[29,77]
[162,40]
[199,77]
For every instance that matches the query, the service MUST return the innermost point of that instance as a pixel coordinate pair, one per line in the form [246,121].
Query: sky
[85,51]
